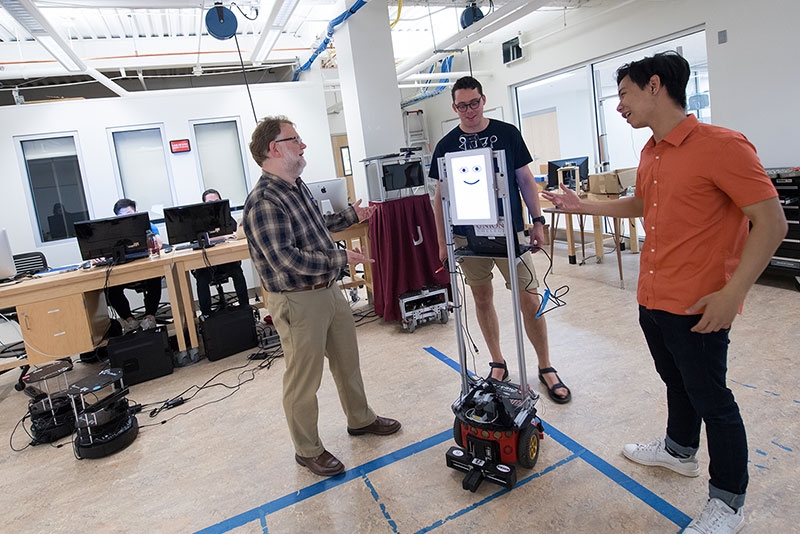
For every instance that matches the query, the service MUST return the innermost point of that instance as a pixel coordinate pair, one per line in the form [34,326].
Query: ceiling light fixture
[31,19]
[272,28]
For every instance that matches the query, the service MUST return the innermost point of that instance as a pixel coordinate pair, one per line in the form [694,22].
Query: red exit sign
[179,145]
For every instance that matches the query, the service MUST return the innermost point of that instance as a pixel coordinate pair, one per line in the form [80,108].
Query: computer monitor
[198,223]
[583,171]
[471,184]
[7,267]
[402,175]
[329,195]
[121,238]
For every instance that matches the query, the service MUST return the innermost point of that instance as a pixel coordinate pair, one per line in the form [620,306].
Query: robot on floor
[496,427]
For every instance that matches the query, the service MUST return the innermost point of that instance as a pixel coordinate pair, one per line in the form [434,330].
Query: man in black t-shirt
[477,131]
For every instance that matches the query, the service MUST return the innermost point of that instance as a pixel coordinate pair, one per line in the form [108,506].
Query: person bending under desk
[152,287]
[205,276]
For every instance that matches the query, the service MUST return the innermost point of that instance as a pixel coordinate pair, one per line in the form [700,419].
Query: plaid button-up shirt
[289,239]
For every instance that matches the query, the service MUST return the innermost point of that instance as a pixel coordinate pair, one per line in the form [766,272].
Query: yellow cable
[399,10]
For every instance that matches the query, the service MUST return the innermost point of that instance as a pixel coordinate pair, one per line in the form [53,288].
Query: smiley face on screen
[471,188]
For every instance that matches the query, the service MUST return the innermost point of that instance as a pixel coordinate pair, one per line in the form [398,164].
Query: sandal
[495,365]
[558,385]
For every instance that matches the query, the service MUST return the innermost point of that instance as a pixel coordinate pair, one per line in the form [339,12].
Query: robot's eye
[464,170]
[477,168]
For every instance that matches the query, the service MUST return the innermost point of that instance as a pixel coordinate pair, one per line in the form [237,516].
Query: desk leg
[553,223]
[187,304]
[570,240]
[597,221]
[634,236]
[617,240]
[174,292]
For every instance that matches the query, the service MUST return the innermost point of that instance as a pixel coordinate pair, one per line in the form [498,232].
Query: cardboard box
[612,183]
[601,197]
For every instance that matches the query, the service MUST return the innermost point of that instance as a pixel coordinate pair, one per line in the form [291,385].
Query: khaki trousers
[314,324]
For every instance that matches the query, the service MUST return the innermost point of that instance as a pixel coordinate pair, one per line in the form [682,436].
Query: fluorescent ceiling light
[273,26]
[31,19]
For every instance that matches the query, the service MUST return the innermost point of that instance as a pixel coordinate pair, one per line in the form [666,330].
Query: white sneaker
[654,453]
[148,322]
[129,325]
[716,518]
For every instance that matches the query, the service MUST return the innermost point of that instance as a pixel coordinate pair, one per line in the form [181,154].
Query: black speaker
[141,355]
[228,331]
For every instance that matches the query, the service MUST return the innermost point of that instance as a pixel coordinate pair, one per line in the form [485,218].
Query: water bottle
[152,246]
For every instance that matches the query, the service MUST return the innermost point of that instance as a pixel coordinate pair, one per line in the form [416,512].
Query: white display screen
[470,177]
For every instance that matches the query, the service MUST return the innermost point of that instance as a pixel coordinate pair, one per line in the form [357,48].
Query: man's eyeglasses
[472,104]
[296,139]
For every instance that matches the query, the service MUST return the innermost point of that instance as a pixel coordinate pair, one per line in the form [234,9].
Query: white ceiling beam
[271,29]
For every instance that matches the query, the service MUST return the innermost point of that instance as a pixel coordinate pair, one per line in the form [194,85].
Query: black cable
[244,74]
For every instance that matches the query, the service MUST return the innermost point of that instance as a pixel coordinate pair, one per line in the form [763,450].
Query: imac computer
[7,267]
[120,239]
[329,195]
[583,171]
[199,223]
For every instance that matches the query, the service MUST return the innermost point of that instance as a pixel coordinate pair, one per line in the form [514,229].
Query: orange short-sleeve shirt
[693,184]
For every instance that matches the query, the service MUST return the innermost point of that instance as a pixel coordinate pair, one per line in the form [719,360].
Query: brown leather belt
[321,285]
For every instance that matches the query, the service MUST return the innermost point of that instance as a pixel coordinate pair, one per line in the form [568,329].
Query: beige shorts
[478,271]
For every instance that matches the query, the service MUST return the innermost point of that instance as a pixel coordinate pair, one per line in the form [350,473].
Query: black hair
[671,68]
[467,82]
[210,192]
[124,203]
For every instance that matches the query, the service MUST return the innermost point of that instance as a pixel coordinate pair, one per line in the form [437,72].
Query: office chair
[27,264]
[217,281]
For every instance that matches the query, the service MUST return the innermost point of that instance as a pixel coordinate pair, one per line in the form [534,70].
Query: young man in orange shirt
[698,187]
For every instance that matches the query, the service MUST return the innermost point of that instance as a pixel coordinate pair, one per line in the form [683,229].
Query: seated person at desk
[152,287]
[206,275]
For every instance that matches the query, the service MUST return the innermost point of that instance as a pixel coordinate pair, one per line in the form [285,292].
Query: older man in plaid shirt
[298,262]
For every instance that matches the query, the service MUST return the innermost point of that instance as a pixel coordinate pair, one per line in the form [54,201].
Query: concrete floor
[223,461]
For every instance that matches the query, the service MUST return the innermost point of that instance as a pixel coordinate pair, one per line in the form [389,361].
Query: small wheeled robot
[427,304]
[495,427]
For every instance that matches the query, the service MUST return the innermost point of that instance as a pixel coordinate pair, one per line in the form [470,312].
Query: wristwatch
[539,219]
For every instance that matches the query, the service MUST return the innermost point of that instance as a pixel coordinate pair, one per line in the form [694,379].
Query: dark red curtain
[402,235]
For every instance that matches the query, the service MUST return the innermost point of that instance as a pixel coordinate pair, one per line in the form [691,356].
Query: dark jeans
[207,275]
[693,367]
[152,297]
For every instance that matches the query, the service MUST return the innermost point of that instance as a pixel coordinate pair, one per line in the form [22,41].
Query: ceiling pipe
[500,17]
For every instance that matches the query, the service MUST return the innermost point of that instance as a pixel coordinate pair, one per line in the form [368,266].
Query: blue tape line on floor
[259,514]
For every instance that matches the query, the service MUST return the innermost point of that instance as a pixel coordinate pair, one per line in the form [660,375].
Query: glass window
[56,185]
[623,143]
[142,167]
[219,149]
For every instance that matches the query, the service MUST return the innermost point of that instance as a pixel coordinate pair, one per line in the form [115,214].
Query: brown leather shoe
[324,465]
[382,426]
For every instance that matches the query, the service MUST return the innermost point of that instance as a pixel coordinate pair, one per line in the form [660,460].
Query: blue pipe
[424,93]
[324,44]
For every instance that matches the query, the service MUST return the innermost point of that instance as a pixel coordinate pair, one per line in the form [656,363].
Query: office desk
[66,314]
[187,260]
[598,237]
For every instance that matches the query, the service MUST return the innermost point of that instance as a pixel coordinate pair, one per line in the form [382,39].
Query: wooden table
[66,314]
[598,237]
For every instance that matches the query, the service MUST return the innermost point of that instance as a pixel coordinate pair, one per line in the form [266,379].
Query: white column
[370,96]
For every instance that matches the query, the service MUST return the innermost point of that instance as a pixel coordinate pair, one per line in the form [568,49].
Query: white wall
[752,76]
[302,102]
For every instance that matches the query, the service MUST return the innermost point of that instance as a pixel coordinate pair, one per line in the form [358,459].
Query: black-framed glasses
[297,139]
[472,104]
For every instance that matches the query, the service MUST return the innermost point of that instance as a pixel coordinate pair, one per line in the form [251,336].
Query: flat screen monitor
[583,171]
[329,195]
[7,267]
[470,180]
[121,238]
[198,223]
[402,175]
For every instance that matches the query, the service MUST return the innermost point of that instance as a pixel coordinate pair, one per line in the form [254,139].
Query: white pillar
[370,96]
